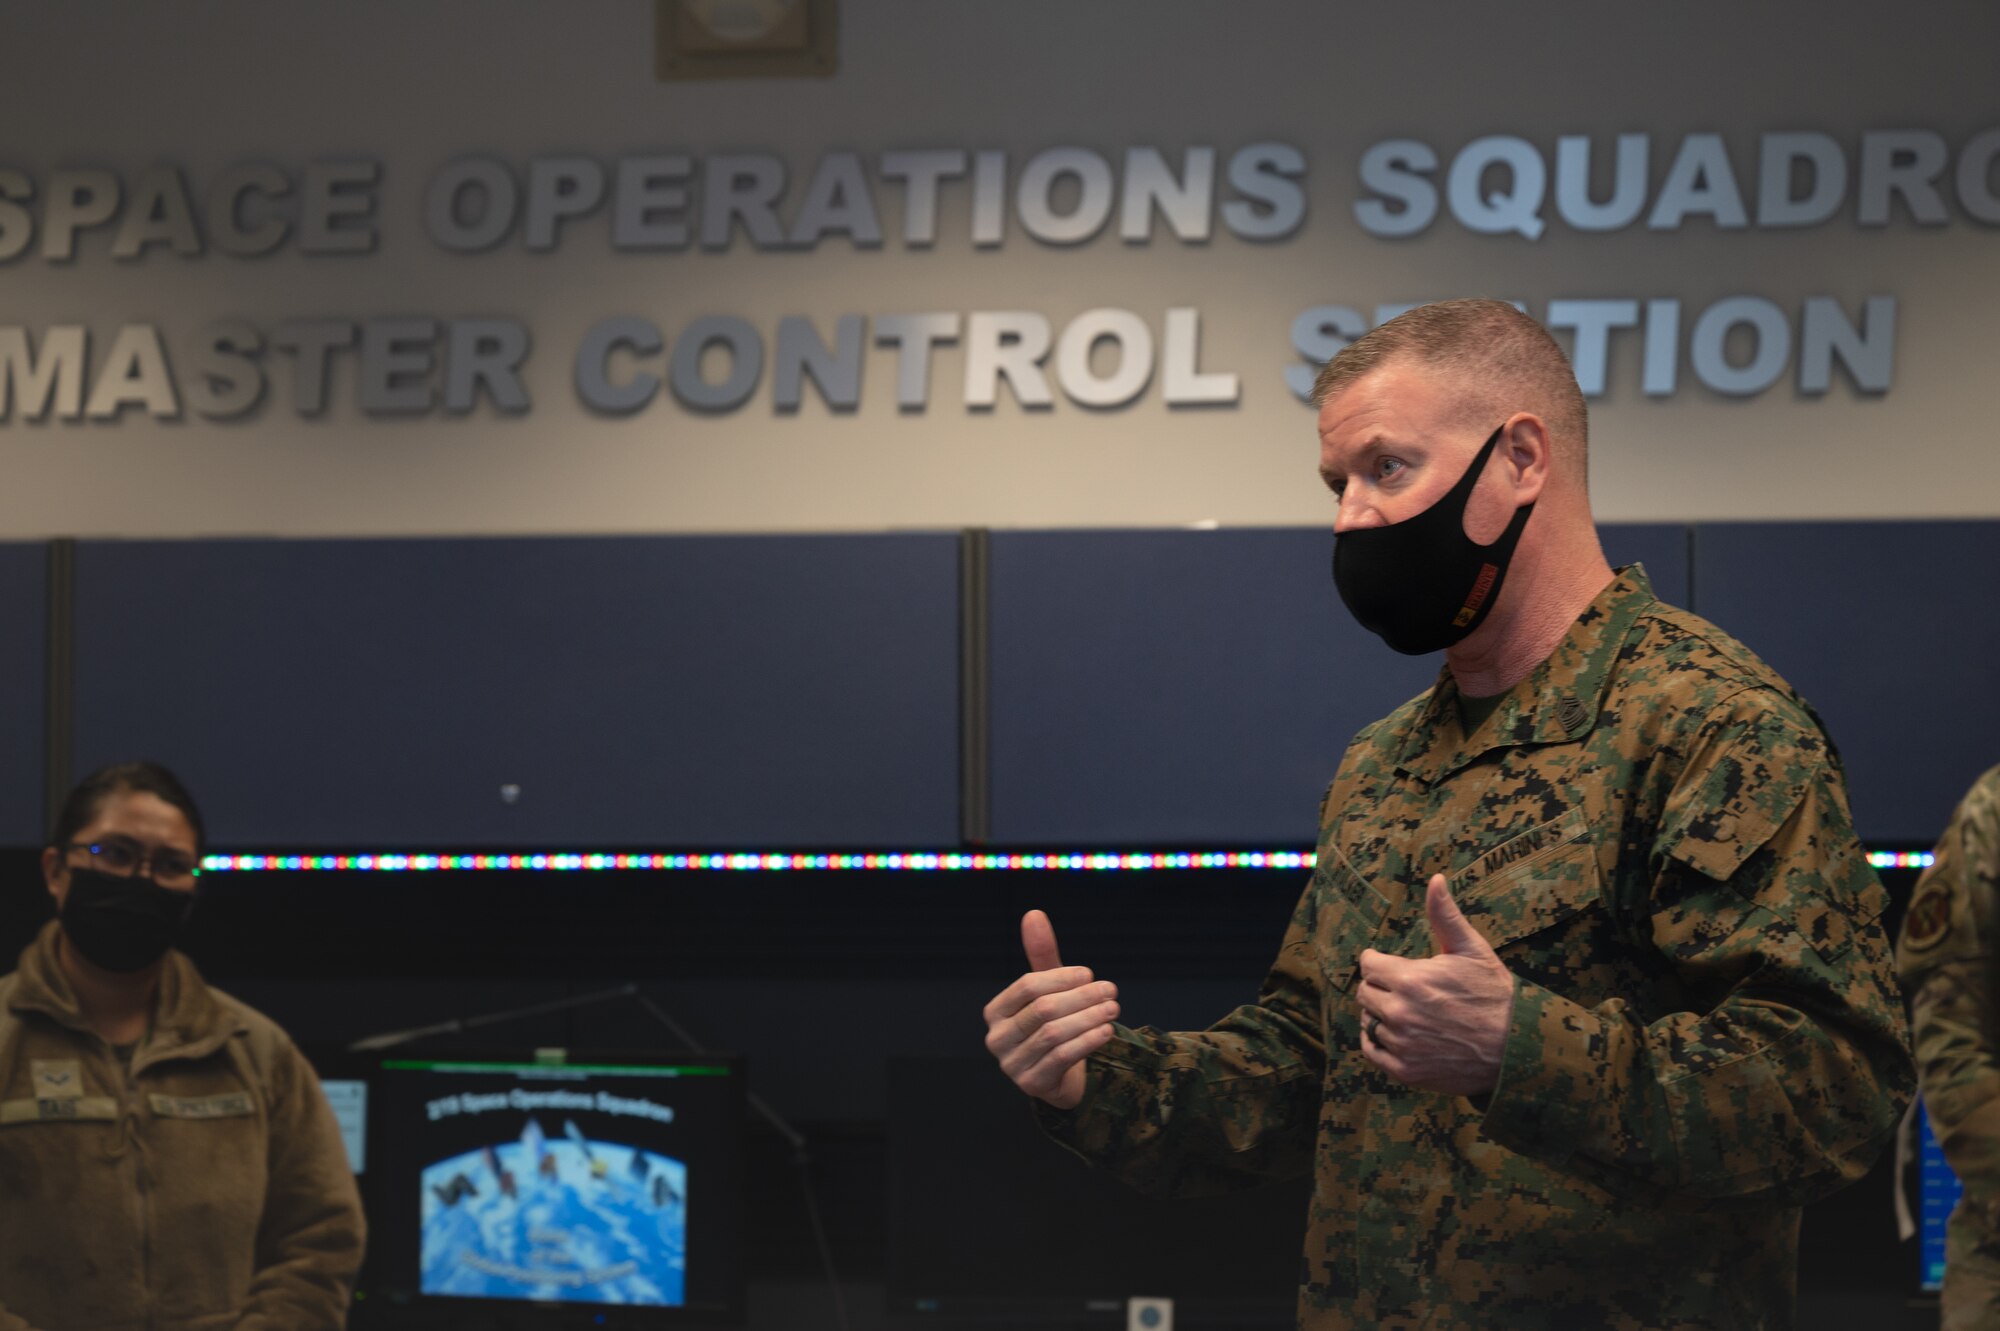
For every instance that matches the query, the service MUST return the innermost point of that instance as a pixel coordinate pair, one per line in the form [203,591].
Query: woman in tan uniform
[167,1158]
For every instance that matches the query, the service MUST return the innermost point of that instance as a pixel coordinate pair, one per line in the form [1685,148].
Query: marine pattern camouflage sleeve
[1946,957]
[1777,1068]
[1196,1113]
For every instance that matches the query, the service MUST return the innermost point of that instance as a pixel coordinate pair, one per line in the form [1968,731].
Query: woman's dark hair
[149,778]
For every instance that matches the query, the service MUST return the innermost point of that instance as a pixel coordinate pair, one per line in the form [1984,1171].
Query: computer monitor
[344,1079]
[993,1225]
[1938,1191]
[548,1188]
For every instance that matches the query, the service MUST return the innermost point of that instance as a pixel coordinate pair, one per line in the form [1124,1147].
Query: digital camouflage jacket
[1653,832]
[1946,957]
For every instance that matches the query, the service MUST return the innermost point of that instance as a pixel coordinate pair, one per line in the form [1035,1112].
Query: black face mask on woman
[122,924]
[1422,584]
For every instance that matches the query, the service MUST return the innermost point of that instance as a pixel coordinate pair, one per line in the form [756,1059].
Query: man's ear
[1529,455]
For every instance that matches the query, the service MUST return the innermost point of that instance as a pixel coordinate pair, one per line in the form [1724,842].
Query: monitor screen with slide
[548,1188]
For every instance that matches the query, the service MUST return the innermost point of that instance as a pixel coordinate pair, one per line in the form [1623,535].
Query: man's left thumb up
[1449,930]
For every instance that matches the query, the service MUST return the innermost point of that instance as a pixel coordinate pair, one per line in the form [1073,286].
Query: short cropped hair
[1505,361]
[150,778]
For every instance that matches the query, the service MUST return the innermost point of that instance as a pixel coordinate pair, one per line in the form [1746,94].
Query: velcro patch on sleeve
[1928,920]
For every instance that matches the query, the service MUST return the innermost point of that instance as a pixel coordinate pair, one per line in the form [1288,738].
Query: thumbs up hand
[1038,940]
[1438,1023]
[1044,1025]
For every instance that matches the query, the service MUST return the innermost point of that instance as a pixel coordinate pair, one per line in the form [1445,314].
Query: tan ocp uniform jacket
[205,1189]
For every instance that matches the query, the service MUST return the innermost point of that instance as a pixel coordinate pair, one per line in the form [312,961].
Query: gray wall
[128,85]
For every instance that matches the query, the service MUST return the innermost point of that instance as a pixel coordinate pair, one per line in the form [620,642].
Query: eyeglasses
[123,858]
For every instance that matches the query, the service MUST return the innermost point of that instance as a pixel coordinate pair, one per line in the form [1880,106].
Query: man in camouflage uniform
[1946,958]
[1588,992]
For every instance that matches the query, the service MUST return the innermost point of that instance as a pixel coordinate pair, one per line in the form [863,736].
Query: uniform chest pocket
[1351,913]
[1534,882]
[1552,925]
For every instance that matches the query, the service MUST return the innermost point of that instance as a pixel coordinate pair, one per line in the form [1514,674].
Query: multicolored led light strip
[839,861]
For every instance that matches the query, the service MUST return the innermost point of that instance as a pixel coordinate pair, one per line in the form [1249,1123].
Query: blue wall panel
[1890,631]
[1661,547]
[1194,687]
[23,651]
[1185,687]
[710,691]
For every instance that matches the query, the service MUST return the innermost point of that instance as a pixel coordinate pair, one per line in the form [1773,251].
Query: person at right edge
[1945,955]
[1589,991]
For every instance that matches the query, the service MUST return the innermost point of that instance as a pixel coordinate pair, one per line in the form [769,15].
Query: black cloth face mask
[122,924]
[1422,584]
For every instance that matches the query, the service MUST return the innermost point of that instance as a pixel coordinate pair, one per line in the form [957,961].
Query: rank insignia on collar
[1571,713]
